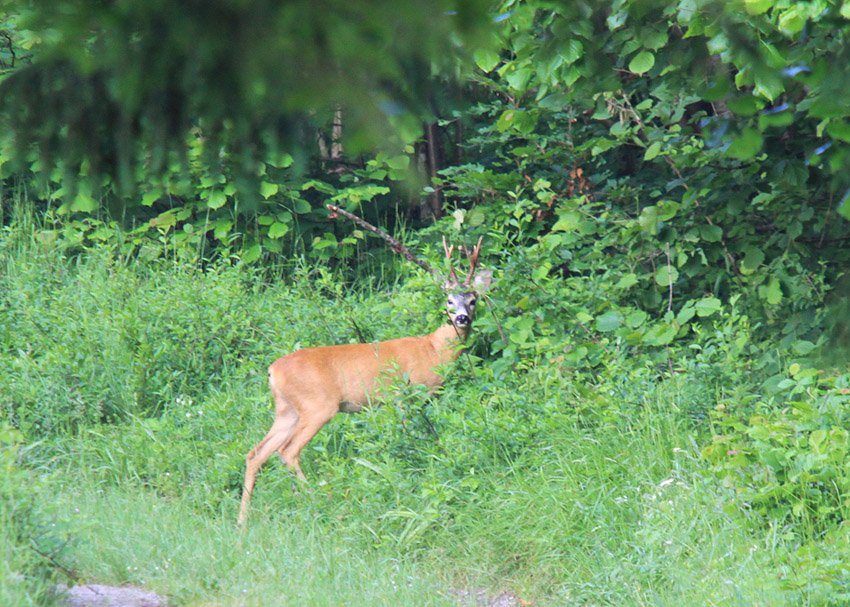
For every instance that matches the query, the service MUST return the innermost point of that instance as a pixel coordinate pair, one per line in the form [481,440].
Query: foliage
[129,83]
[790,460]
[35,550]
[643,417]
[610,159]
[517,476]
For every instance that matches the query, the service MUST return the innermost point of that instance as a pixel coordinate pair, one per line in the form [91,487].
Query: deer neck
[448,341]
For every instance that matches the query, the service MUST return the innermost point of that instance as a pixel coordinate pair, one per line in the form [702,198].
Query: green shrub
[790,461]
[34,543]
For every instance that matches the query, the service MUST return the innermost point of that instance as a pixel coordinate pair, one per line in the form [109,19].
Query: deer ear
[449,284]
[482,281]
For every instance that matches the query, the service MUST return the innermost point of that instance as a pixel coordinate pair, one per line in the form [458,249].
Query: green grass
[139,390]
[134,537]
[591,518]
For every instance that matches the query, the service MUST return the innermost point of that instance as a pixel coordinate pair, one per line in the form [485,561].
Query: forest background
[654,409]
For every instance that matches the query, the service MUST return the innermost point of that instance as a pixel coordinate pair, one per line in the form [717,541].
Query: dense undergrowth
[653,411]
[131,391]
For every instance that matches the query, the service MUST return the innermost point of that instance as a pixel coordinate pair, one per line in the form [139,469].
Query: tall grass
[140,387]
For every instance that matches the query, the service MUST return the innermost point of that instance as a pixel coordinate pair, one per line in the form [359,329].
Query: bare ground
[96,595]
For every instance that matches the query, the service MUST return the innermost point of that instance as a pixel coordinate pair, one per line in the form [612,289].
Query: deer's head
[461,297]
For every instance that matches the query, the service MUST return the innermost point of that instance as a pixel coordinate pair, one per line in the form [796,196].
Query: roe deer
[310,386]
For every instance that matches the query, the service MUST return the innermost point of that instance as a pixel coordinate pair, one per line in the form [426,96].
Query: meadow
[131,392]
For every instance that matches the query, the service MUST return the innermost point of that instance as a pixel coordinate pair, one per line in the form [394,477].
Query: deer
[310,386]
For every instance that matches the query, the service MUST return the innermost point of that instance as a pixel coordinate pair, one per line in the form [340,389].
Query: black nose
[461,320]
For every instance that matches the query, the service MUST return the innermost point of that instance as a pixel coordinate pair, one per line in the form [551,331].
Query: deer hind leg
[280,434]
[308,425]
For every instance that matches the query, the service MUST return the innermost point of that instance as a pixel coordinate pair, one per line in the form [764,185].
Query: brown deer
[310,386]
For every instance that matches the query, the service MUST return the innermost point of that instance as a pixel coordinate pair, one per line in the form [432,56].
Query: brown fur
[310,386]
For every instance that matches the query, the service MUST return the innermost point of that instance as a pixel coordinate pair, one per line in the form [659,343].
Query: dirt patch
[482,598]
[96,595]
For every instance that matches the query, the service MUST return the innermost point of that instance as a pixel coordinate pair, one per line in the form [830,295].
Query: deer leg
[307,427]
[281,433]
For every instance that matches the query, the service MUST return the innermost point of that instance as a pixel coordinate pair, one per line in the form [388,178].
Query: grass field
[138,390]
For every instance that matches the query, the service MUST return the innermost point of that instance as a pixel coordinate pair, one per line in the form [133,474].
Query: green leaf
[571,51]
[319,186]
[583,317]
[486,59]
[817,438]
[399,163]
[775,119]
[745,105]
[772,292]
[652,151]
[268,189]
[686,314]
[540,272]
[707,306]
[839,129]
[828,106]
[252,253]
[519,120]
[757,7]
[567,222]
[222,229]
[609,321]
[279,160]
[626,281]
[216,199]
[769,84]
[753,258]
[844,206]
[475,216]
[746,145]
[302,206]
[665,275]
[277,229]
[642,62]
[164,220]
[803,347]
[148,198]
[660,335]
[518,79]
[84,201]
[711,233]
[328,240]
[648,220]
[667,209]
[636,319]
[792,19]
[654,39]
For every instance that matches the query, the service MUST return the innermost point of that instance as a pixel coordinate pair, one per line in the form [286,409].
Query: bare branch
[395,245]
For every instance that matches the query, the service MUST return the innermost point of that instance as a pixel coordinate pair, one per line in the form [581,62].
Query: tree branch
[395,245]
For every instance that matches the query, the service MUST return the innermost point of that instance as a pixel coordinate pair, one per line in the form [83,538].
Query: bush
[35,546]
[790,460]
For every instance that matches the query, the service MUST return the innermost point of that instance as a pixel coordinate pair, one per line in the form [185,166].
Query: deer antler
[395,245]
[449,250]
[473,261]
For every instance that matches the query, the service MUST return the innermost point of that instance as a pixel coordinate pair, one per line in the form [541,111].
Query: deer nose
[461,320]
